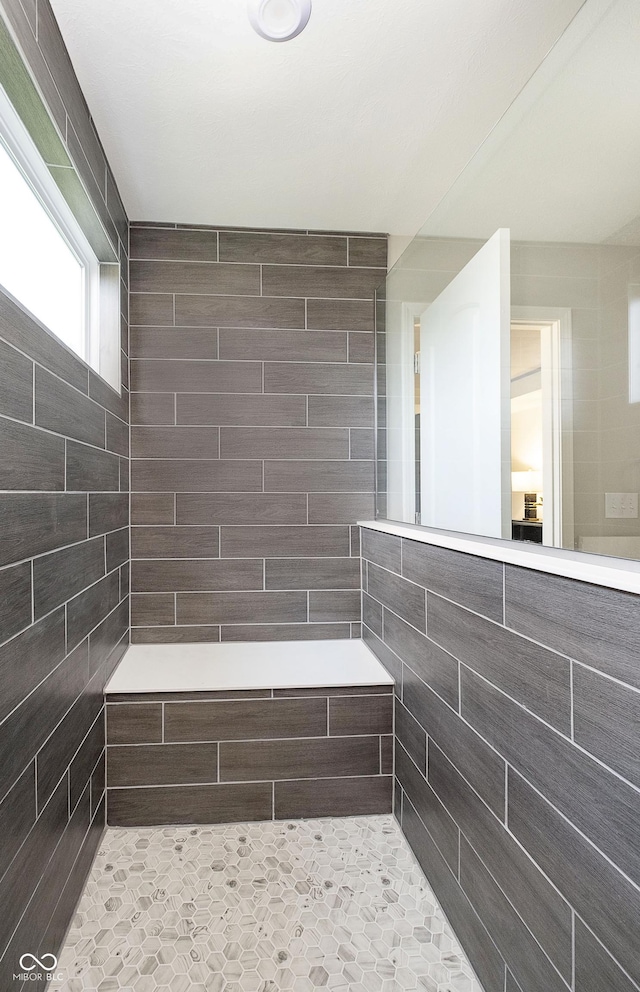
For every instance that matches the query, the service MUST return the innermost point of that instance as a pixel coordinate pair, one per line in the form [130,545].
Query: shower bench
[217,733]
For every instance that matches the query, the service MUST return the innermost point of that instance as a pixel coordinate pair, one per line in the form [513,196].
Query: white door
[465,392]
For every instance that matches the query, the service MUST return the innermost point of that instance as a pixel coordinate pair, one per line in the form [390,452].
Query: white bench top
[250,665]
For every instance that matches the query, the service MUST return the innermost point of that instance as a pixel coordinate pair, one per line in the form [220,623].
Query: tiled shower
[472,829]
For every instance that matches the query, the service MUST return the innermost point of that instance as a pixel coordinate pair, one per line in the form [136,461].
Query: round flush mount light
[279,20]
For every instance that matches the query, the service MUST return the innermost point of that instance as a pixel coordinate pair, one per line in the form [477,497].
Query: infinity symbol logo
[39,964]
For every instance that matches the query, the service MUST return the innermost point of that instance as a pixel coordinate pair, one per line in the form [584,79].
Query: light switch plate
[620,505]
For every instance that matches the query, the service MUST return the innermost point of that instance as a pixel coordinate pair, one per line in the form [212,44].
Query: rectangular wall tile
[282,345]
[320,281]
[195,475]
[307,377]
[283,442]
[238,311]
[35,523]
[90,469]
[470,581]
[333,797]
[334,606]
[195,246]
[175,542]
[30,459]
[245,719]
[313,758]
[606,715]
[164,764]
[404,598]
[259,508]
[350,715]
[429,662]
[271,542]
[429,808]
[340,315]
[175,442]
[176,575]
[178,376]
[60,575]
[312,573]
[194,277]
[237,607]
[294,249]
[16,384]
[174,342]
[15,599]
[153,508]
[134,723]
[246,410]
[318,476]
[190,804]
[60,408]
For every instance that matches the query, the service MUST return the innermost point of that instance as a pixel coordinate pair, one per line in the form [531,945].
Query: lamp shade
[526,482]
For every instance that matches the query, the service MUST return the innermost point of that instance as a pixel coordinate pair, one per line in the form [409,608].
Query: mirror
[508,345]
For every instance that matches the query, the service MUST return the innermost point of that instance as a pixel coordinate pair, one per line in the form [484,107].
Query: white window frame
[100,305]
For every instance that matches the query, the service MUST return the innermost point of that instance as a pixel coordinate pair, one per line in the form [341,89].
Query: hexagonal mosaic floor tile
[335,904]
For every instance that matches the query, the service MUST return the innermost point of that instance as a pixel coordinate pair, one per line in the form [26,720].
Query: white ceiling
[361,123]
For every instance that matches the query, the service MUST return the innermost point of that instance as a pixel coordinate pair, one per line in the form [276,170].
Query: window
[47,262]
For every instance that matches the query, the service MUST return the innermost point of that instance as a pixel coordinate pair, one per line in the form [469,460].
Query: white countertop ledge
[600,570]
[250,665]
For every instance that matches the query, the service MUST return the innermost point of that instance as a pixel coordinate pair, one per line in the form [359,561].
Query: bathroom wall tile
[286,632]
[318,281]
[153,309]
[195,246]
[595,969]
[283,345]
[194,475]
[594,625]
[372,614]
[340,315]
[333,797]
[334,606]
[183,376]
[292,542]
[174,342]
[134,723]
[153,508]
[312,758]
[337,411]
[176,575]
[487,960]
[566,776]
[89,469]
[606,715]
[546,914]
[190,804]
[35,523]
[164,764]
[404,598]
[259,508]
[601,895]
[361,443]
[294,249]
[368,252]
[241,607]
[90,607]
[107,512]
[117,435]
[471,581]
[117,547]
[85,760]
[433,665]
[21,879]
[245,719]
[411,736]
[245,410]
[194,277]
[349,715]
[175,635]
[385,656]
[361,347]
[308,377]
[521,951]
[312,573]
[107,642]
[153,408]
[541,679]
[17,815]
[60,408]
[30,459]
[15,599]
[175,542]
[382,549]
[482,767]
[283,442]
[340,508]
[236,311]
[16,384]
[429,808]
[174,442]
[28,726]
[150,609]
[61,575]
[318,476]
[29,657]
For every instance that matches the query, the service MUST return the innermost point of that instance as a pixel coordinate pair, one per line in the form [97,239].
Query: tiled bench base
[261,754]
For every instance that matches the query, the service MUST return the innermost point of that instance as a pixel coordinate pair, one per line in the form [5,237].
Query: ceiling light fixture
[279,20]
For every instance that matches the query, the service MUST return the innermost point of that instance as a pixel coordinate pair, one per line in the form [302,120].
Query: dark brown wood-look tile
[293,249]
[162,764]
[231,720]
[312,758]
[189,804]
[175,542]
[360,715]
[333,797]
[134,723]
